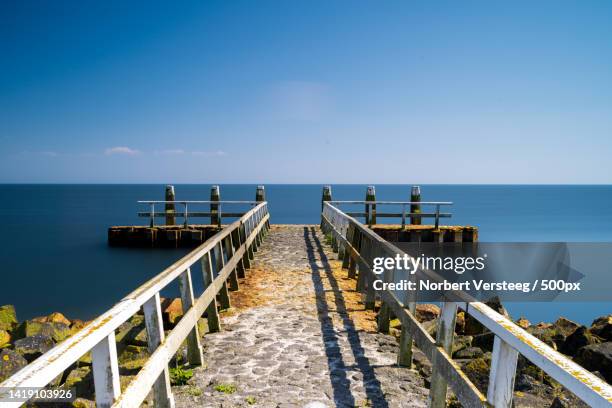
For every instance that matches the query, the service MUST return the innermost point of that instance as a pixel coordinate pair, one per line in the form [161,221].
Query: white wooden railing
[358,245]
[223,257]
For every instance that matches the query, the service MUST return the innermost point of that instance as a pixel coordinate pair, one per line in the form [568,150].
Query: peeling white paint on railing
[99,335]
[510,339]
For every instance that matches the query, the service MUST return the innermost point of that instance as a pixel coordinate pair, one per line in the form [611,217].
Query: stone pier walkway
[297,335]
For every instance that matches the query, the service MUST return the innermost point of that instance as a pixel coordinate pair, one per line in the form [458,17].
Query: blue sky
[306,92]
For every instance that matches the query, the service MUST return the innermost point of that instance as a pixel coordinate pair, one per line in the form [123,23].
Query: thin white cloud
[172,151]
[121,150]
[217,153]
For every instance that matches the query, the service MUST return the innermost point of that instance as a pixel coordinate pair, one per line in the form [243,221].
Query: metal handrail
[509,341]
[370,205]
[185,214]
[235,241]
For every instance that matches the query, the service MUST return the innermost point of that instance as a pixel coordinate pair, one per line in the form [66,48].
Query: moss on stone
[8,318]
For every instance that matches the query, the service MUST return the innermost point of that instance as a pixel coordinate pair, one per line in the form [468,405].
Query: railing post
[236,242]
[415,197]
[404,357]
[215,195]
[370,215]
[245,258]
[170,209]
[347,253]
[233,276]
[260,196]
[437,216]
[214,325]
[444,339]
[219,263]
[106,371]
[356,243]
[384,314]
[501,377]
[155,336]
[368,278]
[194,348]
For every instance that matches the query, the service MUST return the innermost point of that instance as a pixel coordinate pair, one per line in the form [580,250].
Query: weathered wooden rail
[357,245]
[224,258]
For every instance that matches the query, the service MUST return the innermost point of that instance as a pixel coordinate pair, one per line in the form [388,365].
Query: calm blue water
[55,255]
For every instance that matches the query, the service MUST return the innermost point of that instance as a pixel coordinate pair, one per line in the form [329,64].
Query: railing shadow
[338,369]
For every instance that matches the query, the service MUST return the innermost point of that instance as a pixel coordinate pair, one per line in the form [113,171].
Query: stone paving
[298,336]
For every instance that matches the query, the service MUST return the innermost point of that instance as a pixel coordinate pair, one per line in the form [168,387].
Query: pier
[292,317]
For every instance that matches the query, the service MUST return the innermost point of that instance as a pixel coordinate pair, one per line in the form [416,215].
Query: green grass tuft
[180,376]
[225,388]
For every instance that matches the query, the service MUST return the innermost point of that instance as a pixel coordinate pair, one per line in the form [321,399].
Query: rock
[133,358]
[469,352]
[83,403]
[5,338]
[525,382]
[460,323]
[55,317]
[33,347]
[133,332]
[565,327]
[578,339]
[546,334]
[461,342]
[602,327]
[172,311]
[10,363]
[81,379]
[8,318]
[597,357]
[426,312]
[523,323]
[543,325]
[57,331]
[431,327]
[484,341]
[477,371]
[560,402]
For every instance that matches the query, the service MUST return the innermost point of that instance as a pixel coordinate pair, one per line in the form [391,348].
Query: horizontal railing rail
[371,212]
[223,258]
[357,245]
[216,210]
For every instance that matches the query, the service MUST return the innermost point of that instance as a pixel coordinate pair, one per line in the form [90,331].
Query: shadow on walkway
[337,367]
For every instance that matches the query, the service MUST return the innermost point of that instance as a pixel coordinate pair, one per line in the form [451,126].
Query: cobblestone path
[298,336]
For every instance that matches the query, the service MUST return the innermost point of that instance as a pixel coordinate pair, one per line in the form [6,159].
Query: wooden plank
[106,371]
[501,377]
[155,336]
[214,324]
[194,348]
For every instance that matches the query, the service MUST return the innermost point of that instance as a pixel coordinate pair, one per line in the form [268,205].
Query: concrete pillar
[170,209]
[370,209]
[215,195]
[415,196]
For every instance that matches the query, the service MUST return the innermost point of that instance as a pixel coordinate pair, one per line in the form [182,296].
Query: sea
[55,256]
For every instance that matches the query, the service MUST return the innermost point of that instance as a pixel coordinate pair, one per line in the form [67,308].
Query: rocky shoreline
[591,347]
[23,342]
